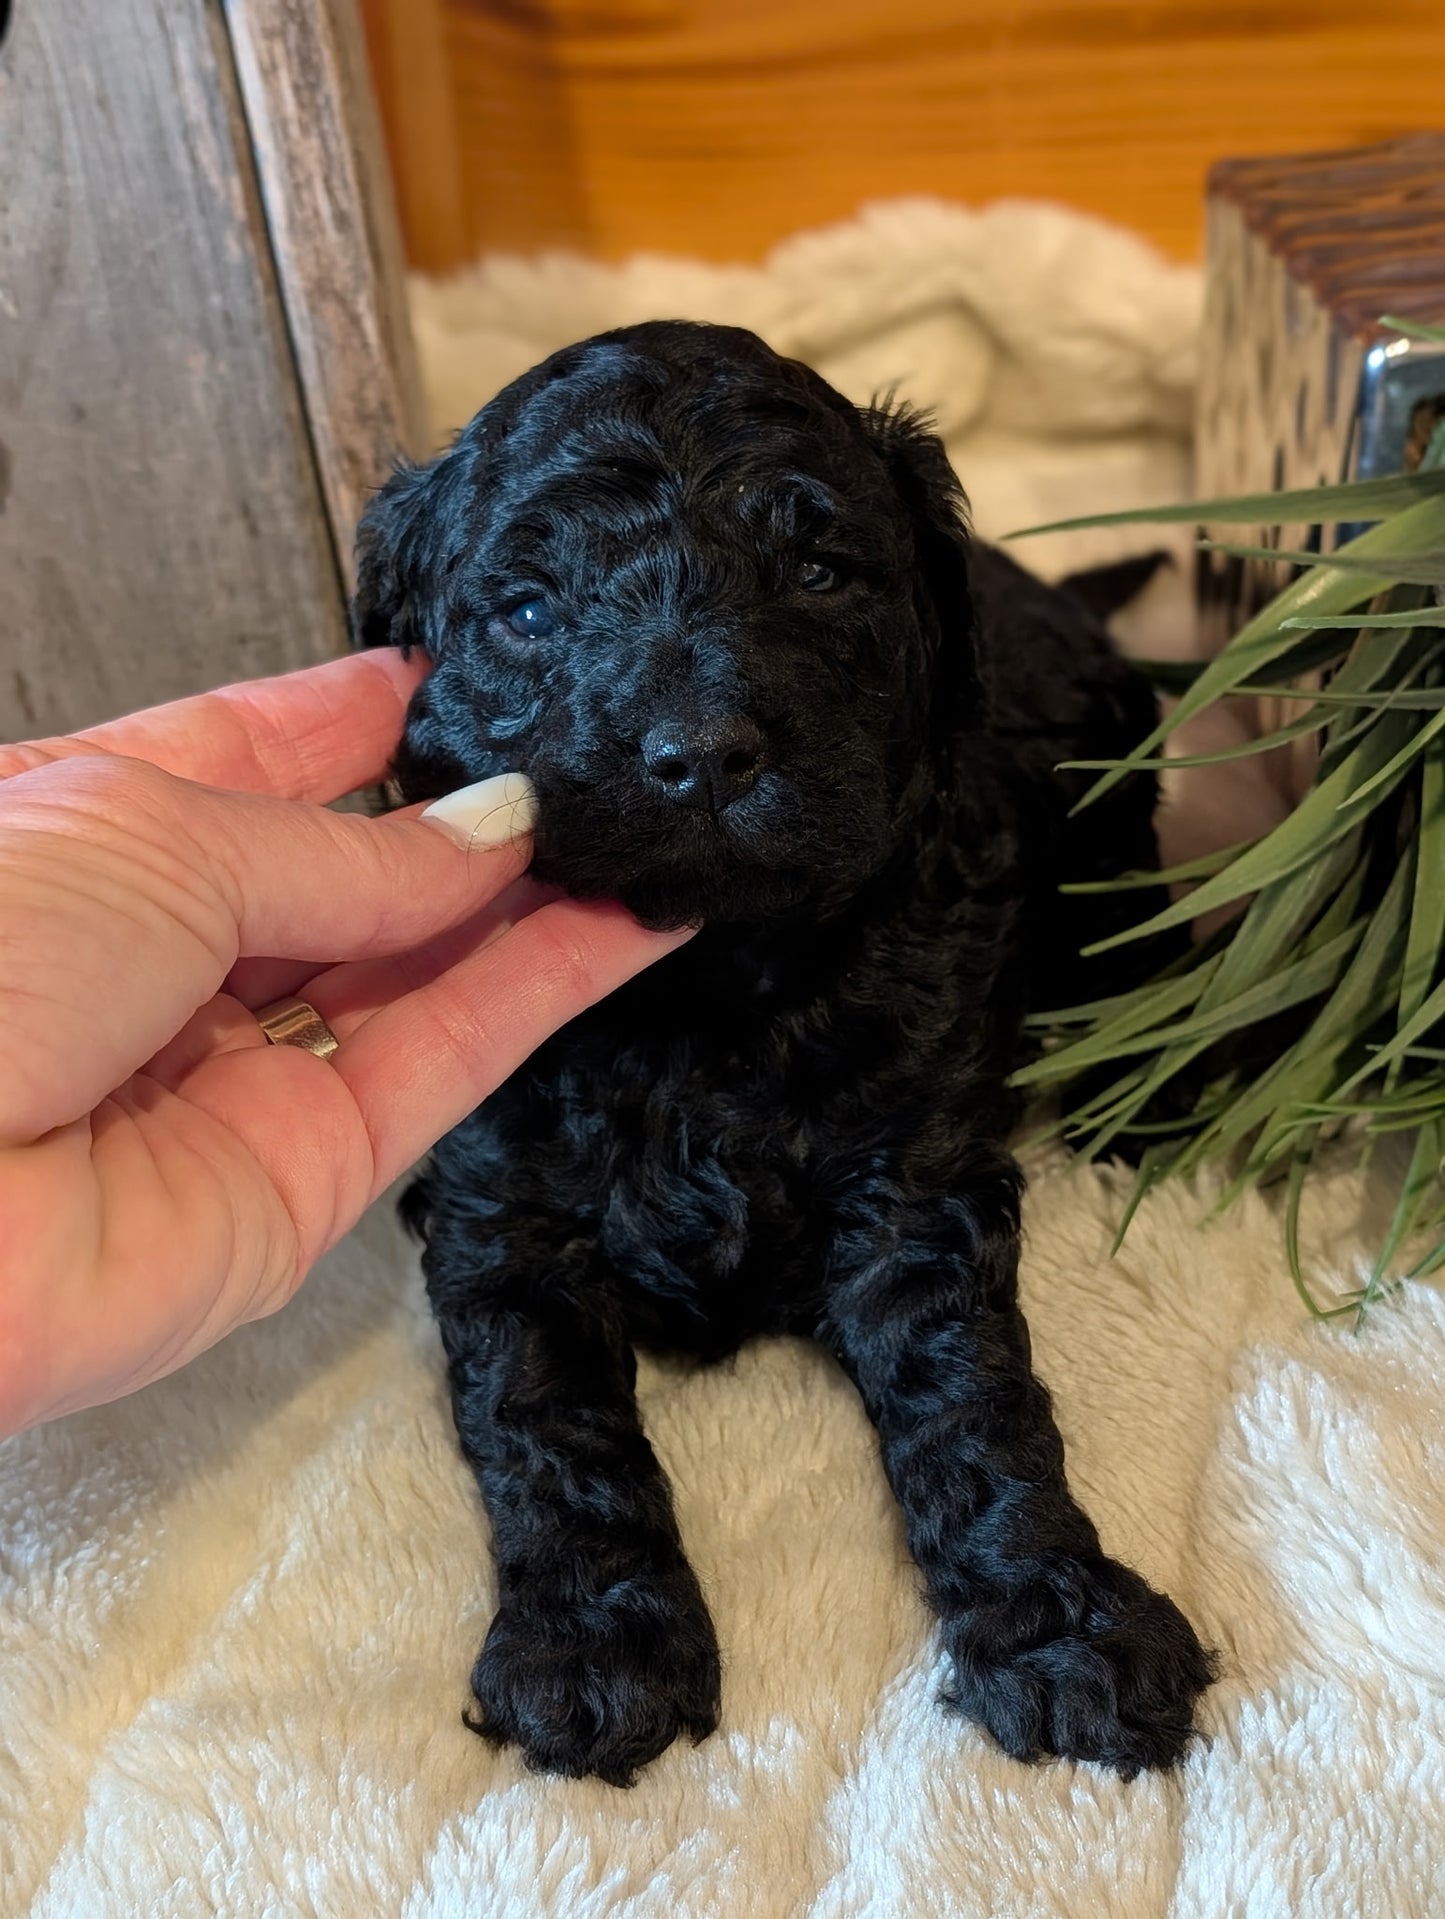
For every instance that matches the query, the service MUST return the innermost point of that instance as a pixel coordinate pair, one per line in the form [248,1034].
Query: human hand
[165,1173]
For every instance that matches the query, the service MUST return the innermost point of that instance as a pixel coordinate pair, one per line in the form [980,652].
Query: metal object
[1300,382]
[296,1022]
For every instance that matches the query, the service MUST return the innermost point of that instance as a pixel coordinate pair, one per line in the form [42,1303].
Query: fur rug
[238,1610]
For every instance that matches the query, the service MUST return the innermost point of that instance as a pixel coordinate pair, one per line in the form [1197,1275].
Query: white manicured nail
[487,814]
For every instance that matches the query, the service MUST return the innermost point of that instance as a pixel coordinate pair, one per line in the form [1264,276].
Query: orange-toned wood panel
[717,126]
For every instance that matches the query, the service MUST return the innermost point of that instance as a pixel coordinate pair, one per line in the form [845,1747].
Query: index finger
[310,735]
[418,1066]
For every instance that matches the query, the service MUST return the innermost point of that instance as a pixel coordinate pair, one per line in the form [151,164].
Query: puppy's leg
[1056,1648]
[602,1650]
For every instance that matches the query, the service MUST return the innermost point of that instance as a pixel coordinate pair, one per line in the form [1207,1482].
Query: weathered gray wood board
[329,208]
[163,525]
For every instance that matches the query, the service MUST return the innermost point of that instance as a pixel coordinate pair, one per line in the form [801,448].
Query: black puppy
[734,630]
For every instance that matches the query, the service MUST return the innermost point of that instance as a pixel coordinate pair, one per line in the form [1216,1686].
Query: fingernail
[487,814]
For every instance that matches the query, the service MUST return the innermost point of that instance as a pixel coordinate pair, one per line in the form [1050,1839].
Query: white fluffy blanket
[237,1612]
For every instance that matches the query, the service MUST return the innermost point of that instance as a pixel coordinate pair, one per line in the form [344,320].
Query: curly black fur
[797,1123]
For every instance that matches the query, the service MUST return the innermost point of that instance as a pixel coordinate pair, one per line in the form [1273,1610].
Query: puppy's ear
[408,541]
[928,487]
[416,531]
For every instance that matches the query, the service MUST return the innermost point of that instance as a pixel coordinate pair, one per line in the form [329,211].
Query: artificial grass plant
[1319,1009]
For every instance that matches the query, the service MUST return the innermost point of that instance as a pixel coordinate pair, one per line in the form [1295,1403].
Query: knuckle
[273,759]
[147,838]
[568,959]
[26,757]
[108,785]
[94,797]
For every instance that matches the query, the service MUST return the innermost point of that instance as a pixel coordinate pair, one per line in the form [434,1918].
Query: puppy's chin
[764,860]
[664,896]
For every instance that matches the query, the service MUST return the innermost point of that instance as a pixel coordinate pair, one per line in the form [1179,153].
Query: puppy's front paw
[1088,1662]
[603,1684]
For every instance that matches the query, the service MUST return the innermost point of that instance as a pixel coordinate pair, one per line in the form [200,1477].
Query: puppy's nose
[708,763]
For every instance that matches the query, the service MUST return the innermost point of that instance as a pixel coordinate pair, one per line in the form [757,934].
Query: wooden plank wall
[716,127]
[163,527]
[332,226]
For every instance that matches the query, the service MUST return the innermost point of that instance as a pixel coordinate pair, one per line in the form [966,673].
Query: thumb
[309,884]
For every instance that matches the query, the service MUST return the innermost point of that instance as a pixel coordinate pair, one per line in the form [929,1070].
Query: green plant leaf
[1192,959]
[1305,980]
[1354,502]
[1326,894]
[1426,1015]
[1406,569]
[1122,1119]
[1415,329]
[1431,1263]
[1120,1036]
[1408,753]
[1423,700]
[1325,589]
[1422,616]
[1304,910]
[1298,1172]
[1427,913]
[1319,715]
[1170,676]
[1368,663]
[1321,898]
[1309,1069]
[1421,1177]
[1187,870]
[1142,1029]
[1314,826]
[1153,1166]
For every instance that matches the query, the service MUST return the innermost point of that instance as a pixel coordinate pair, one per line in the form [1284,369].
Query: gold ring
[294,1022]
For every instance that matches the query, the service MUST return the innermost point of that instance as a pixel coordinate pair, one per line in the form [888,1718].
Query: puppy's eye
[815,576]
[532,620]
